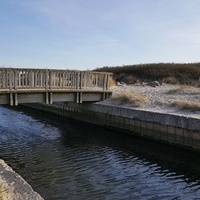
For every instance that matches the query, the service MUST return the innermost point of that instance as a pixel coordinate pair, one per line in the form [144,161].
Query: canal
[65,159]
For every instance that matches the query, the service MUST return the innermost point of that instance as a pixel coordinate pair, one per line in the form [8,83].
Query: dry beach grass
[133,98]
[180,90]
[187,105]
[166,98]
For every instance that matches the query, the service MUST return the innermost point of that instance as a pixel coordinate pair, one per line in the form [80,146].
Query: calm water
[70,160]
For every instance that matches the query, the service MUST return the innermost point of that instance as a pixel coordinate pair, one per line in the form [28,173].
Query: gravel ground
[161,97]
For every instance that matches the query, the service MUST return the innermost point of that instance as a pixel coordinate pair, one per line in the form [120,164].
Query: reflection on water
[70,160]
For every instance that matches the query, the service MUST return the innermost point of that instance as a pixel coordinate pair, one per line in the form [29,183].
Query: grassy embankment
[187,76]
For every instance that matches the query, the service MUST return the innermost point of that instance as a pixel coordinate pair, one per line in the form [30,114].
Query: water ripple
[61,165]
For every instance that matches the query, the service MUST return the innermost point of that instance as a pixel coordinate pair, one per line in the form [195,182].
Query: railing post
[3,76]
[80,81]
[60,79]
[108,81]
[41,77]
[50,79]
[15,79]
[26,78]
[74,80]
[10,79]
[85,80]
[1,79]
[6,78]
[104,81]
[96,80]
[35,79]
[31,78]
[46,79]
[77,80]
[63,79]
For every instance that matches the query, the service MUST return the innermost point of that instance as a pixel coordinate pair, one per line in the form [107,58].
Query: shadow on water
[180,161]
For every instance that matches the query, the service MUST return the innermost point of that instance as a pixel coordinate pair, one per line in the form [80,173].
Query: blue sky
[85,34]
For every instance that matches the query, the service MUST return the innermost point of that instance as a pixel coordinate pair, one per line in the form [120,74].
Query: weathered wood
[17,82]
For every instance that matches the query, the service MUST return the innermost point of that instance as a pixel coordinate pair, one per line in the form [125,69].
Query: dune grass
[132,98]
[112,82]
[187,105]
[184,89]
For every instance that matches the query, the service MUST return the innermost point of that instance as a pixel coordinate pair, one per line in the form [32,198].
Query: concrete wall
[172,129]
[148,116]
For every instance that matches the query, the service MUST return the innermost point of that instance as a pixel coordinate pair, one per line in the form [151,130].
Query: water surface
[64,159]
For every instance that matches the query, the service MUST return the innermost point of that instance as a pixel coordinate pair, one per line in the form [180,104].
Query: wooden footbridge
[48,86]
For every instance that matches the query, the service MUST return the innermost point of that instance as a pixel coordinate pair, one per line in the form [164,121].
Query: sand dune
[162,98]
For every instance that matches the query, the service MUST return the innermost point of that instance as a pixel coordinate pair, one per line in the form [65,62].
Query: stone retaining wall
[176,130]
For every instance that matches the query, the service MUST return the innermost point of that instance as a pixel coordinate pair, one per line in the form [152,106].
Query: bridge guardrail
[46,79]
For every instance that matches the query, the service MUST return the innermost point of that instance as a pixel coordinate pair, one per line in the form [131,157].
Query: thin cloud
[95,32]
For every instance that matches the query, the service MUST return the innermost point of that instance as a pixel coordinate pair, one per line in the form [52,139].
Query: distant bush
[170,80]
[187,105]
[183,73]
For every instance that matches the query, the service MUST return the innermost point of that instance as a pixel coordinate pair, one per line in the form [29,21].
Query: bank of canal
[66,159]
[177,130]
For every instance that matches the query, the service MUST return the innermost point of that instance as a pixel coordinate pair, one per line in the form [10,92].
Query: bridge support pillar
[104,96]
[50,98]
[11,99]
[107,95]
[77,97]
[47,98]
[80,97]
[15,99]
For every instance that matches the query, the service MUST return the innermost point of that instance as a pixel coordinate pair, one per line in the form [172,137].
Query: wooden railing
[15,79]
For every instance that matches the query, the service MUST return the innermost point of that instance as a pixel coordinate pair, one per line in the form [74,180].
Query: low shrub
[112,82]
[183,73]
[132,98]
[170,80]
[184,89]
[187,105]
